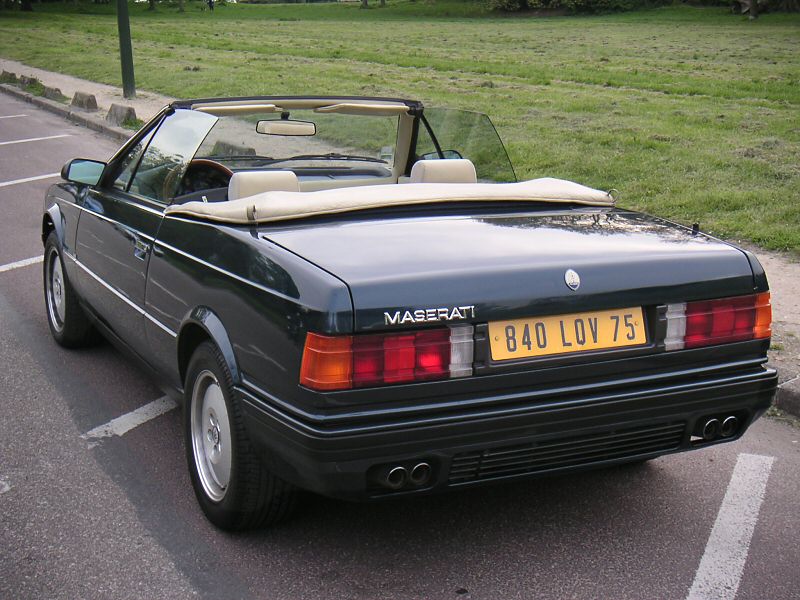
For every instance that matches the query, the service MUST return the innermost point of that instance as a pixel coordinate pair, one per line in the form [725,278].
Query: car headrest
[453,170]
[249,183]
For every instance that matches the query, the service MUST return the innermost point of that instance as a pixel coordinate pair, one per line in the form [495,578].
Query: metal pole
[125,50]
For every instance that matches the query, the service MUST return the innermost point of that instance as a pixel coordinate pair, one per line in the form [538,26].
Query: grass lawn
[693,114]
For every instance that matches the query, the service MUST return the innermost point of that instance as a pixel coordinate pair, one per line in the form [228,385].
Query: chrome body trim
[119,295]
[115,222]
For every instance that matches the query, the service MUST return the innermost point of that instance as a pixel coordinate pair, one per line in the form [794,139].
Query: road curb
[788,398]
[79,117]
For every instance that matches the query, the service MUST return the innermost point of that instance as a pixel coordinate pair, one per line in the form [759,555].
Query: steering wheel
[203,174]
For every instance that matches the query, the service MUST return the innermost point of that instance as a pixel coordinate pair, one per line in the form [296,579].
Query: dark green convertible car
[355,296]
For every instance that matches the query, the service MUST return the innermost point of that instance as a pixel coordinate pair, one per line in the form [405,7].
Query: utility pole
[125,50]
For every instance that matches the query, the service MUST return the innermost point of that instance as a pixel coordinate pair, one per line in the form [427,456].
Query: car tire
[68,323]
[232,485]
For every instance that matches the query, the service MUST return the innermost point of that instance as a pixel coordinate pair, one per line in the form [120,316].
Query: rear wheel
[234,489]
[68,323]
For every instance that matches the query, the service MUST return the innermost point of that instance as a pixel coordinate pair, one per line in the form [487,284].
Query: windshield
[316,140]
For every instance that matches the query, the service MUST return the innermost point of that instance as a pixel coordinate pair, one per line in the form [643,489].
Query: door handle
[140,249]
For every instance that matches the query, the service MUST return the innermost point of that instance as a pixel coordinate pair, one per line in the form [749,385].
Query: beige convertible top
[280,206]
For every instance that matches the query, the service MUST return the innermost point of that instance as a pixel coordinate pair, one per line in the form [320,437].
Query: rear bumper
[507,436]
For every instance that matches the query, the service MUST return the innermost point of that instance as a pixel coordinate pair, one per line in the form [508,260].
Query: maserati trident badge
[572,279]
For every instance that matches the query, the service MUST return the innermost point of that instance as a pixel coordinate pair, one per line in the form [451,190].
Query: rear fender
[204,318]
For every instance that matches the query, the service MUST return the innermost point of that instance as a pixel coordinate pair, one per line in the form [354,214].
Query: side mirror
[446,154]
[286,127]
[82,170]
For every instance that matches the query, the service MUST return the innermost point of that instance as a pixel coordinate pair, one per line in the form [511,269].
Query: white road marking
[12,116]
[27,179]
[4,486]
[721,567]
[122,425]
[21,263]
[36,139]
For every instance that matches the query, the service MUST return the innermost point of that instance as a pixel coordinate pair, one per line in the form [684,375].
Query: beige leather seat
[458,170]
[249,183]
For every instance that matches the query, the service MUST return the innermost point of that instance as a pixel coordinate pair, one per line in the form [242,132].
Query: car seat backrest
[249,183]
[458,170]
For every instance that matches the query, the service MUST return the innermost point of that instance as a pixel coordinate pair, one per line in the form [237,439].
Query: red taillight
[433,354]
[720,321]
[386,358]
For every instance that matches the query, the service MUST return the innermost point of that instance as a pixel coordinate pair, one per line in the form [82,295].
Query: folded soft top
[280,206]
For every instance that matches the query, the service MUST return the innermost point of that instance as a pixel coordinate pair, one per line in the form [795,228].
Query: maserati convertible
[356,297]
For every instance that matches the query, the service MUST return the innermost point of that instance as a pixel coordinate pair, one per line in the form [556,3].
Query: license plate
[564,334]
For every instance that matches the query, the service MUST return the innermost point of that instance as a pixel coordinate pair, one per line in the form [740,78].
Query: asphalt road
[119,520]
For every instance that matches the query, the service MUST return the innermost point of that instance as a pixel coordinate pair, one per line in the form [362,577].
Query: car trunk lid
[483,267]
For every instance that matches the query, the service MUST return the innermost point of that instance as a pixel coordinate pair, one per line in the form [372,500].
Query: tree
[26,5]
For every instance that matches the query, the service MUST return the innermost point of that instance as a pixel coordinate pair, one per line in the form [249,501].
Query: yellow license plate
[562,334]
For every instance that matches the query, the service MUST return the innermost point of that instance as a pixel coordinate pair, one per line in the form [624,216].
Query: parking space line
[27,179]
[21,263]
[12,116]
[36,139]
[123,424]
[723,561]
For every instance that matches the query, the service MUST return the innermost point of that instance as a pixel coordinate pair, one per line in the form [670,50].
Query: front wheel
[68,323]
[234,489]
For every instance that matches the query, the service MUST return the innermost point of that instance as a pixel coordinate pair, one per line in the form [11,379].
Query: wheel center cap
[214,434]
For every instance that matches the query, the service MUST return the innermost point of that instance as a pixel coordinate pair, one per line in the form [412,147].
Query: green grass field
[693,114]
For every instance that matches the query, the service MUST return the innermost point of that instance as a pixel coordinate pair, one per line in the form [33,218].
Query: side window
[130,161]
[466,134]
[425,145]
[169,152]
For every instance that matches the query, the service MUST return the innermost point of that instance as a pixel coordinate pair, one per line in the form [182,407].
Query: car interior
[307,145]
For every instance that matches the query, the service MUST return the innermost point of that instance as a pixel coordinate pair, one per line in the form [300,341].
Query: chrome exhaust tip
[420,474]
[711,429]
[395,478]
[729,426]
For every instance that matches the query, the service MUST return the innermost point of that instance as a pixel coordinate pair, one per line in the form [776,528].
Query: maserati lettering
[429,315]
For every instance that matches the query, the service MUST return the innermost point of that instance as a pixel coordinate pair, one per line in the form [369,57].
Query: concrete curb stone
[52,93]
[24,80]
[119,113]
[84,101]
[92,121]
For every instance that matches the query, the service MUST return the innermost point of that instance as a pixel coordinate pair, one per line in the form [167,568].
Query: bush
[507,5]
[572,6]
[605,6]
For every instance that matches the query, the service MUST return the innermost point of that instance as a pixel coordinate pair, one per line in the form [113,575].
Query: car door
[121,218]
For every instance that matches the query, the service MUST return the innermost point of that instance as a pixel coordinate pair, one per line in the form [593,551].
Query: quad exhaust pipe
[713,428]
[420,474]
[395,478]
[729,426]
